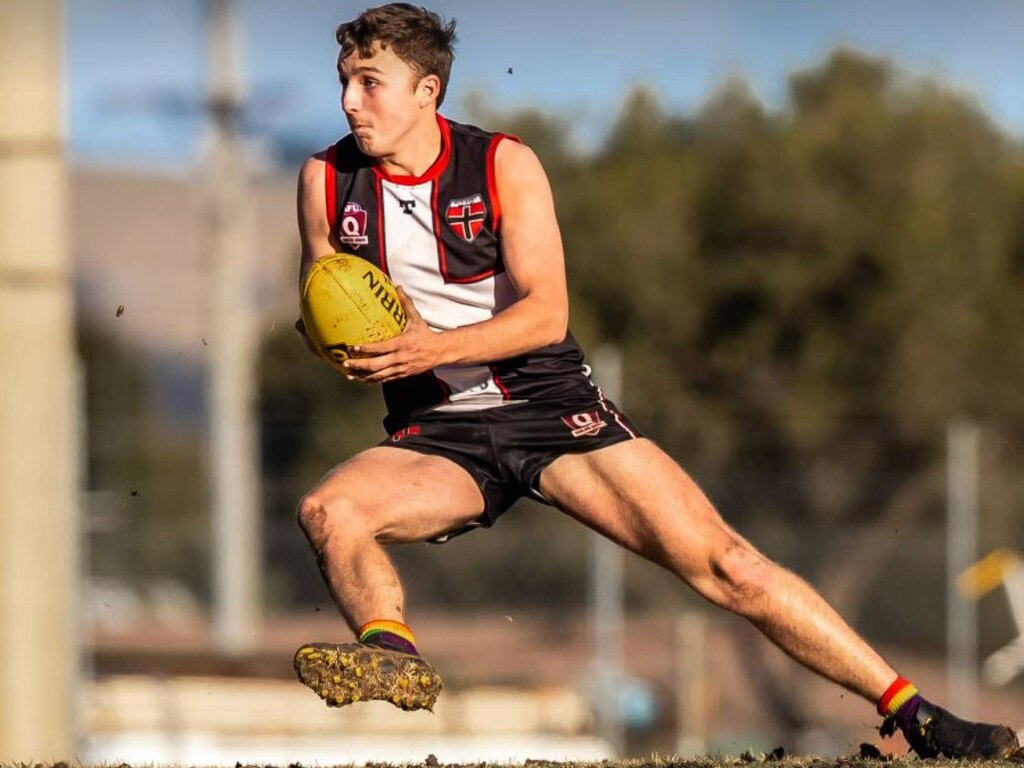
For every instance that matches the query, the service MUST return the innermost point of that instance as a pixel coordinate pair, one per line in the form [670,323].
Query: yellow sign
[987,574]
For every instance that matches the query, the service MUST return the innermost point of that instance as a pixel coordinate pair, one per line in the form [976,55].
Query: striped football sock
[393,635]
[900,701]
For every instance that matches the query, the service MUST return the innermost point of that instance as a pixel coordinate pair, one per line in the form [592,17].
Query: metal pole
[38,445]
[233,446]
[961,552]
[607,592]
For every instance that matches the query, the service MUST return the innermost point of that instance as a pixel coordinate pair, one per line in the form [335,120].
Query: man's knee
[744,578]
[322,521]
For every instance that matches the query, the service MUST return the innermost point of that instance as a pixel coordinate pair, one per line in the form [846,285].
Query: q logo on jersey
[466,216]
[353,225]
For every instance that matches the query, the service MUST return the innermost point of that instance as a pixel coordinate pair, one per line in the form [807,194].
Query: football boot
[932,731]
[353,672]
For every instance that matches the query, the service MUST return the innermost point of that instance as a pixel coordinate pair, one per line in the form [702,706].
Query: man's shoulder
[343,156]
[490,146]
[468,131]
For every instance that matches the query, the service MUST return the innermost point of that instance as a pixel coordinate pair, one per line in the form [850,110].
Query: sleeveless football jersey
[439,236]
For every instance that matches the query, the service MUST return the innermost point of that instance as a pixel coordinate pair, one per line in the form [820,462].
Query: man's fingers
[360,379]
[411,312]
[377,348]
[391,373]
[367,365]
[388,374]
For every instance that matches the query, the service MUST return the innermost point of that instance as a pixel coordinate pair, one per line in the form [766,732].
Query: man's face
[381,100]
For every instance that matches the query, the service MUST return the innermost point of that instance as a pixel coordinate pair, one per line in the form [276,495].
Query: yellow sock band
[377,626]
[895,696]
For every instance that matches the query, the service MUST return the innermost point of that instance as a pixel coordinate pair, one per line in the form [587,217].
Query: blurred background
[795,242]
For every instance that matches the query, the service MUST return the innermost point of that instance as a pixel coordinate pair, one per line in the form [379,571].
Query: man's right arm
[314,229]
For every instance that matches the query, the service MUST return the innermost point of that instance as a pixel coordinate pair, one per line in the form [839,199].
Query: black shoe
[345,674]
[934,732]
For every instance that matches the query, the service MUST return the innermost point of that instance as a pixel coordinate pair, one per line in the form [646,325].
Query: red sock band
[384,625]
[895,696]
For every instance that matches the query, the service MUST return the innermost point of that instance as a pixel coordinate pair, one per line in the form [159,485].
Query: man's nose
[349,101]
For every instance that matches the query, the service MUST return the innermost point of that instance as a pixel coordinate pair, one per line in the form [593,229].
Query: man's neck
[420,149]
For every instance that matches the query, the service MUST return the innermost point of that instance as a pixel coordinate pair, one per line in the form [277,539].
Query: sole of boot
[346,674]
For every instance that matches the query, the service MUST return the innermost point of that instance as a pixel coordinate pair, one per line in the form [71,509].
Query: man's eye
[370,83]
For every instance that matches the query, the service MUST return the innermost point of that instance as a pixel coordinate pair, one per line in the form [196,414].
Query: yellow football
[347,301]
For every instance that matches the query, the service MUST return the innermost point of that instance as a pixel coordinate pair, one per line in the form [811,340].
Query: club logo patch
[353,225]
[585,424]
[466,216]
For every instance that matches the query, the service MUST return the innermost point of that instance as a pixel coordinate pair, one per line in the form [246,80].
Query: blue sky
[575,57]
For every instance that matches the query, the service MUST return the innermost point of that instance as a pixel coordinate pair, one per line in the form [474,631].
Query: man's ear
[428,89]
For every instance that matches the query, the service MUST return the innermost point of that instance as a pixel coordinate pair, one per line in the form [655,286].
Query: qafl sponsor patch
[352,230]
[585,424]
[466,216]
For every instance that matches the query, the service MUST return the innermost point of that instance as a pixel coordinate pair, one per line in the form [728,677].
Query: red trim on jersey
[471,278]
[442,257]
[492,182]
[330,186]
[434,170]
[380,228]
[505,394]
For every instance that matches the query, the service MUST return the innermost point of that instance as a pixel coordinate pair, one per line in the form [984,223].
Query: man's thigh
[636,495]
[402,495]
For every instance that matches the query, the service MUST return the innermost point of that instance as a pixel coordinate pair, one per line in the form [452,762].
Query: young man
[488,399]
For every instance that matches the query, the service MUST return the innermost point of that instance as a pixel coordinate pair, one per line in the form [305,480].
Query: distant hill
[138,243]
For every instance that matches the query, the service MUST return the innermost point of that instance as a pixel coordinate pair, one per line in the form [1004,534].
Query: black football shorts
[505,449]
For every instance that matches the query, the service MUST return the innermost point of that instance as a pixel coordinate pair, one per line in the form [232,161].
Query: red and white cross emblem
[466,216]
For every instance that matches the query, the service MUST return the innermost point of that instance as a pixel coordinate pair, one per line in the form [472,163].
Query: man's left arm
[532,251]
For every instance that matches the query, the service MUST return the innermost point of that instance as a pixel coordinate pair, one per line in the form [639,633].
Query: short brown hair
[418,37]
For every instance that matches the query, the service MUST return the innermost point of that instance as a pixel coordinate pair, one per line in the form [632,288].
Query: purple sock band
[391,641]
[905,715]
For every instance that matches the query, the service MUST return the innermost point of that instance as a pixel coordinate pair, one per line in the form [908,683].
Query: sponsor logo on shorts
[404,433]
[585,424]
[353,225]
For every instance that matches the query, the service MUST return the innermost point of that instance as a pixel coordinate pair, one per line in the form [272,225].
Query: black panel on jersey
[466,178]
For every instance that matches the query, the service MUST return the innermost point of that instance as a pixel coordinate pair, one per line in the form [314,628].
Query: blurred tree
[806,300]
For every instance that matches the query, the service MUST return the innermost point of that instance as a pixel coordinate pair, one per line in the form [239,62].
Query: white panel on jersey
[414,263]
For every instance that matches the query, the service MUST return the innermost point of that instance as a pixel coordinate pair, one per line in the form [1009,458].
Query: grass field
[654,761]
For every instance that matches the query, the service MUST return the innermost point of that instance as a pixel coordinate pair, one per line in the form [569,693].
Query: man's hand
[415,350]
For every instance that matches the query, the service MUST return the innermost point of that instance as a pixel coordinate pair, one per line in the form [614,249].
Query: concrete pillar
[38,441]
